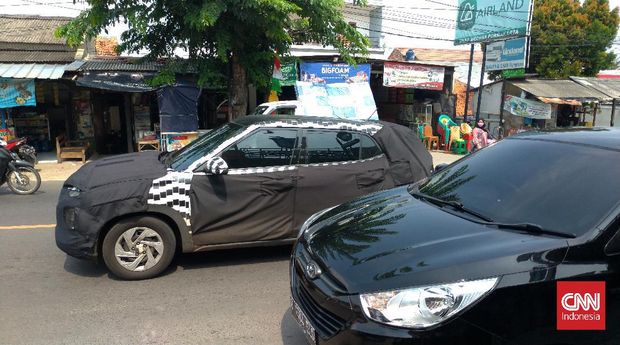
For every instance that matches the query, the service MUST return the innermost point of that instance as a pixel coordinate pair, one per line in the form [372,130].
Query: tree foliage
[244,33]
[572,39]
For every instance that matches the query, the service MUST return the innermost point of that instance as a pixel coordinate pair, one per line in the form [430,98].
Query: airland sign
[491,20]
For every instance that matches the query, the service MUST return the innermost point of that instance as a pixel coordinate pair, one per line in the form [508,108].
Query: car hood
[391,240]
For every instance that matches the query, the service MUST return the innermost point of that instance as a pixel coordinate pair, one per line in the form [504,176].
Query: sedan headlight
[425,306]
[74,192]
[312,219]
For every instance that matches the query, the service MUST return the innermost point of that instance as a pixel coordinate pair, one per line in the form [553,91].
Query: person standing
[480,135]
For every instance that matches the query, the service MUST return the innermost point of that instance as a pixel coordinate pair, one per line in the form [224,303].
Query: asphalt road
[229,297]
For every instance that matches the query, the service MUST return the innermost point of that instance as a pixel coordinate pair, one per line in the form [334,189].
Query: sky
[428,18]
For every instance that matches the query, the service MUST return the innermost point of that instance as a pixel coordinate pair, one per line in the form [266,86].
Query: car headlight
[312,219]
[424,306]
[74,192]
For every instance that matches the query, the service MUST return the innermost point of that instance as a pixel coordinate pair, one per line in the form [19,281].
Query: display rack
[32,126]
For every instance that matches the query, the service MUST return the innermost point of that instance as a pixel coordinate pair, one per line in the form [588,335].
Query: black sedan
[516,244]
[252,182]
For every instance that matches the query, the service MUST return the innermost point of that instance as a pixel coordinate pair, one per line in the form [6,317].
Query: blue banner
[506,55]
[17,93]
[329,73]
[491,20]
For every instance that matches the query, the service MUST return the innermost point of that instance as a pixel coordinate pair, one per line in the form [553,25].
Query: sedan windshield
[563,187]
[183,158]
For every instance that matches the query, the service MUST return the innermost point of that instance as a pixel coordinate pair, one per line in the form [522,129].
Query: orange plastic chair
[429,138]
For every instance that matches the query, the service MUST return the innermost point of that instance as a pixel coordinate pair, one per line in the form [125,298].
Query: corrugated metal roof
[558,88]
[31,29]
[610,87]
[31,71]
[37,56]
[120,64]
[75,66]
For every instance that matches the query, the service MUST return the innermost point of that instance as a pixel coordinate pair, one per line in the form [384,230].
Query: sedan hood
[391,240]
[121,168]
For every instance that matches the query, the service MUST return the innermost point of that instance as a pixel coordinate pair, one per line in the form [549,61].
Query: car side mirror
[440,167]
[216,166]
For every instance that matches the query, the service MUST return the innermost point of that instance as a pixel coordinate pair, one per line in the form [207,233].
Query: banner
[329,73]
[491,20]
[413,76]
[289,72]
[342,100]
[17,93]
[526,108]
[506,55]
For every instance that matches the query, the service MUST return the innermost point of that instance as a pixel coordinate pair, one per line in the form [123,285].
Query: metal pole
[613,111]
[471,61]
[500,133]
[484,60]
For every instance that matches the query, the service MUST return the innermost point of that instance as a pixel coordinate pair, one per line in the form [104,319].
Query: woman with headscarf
[480,135]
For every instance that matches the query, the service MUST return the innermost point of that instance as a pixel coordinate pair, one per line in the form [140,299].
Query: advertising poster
[491,20]
[341,100]
[289,73]
[527,108]
[17,93]
[505,55]
[329,73]
[413,76]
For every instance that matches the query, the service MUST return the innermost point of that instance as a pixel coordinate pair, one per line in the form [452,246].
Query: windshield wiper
[532,229]
[455,204]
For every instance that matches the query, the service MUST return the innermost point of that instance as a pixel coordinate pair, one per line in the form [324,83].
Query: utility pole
[484,61]
[471,61]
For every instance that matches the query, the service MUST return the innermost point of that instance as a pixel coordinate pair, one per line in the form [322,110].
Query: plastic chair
[429,138]
[445,123]
[455,136]
[466,130]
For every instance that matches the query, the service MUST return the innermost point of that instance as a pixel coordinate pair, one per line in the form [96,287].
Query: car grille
[326,323]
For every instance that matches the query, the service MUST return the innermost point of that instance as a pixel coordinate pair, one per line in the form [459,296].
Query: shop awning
[610,87]
[559,101]
[31,70]
[565,89]
[116,81]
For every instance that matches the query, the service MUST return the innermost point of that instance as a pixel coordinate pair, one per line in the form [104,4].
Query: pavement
[52,171]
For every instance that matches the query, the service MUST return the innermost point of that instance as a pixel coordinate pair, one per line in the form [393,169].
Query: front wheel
[24,180]
[138,248]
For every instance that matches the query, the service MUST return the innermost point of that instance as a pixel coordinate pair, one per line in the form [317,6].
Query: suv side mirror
[440,167]
[216,166]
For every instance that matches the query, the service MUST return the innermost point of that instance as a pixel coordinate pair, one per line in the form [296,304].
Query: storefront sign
[413,76]
[506,55]
[342,100]
[329,73]
[513,73]
[491,20]
[526,108]
[17,93]
[289,72]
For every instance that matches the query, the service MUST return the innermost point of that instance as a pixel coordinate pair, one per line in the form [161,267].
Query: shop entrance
[110,120]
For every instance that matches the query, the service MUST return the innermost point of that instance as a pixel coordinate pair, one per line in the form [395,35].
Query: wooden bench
[66,148]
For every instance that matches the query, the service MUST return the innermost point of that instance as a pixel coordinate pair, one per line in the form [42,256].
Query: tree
[572,39]
[233,41]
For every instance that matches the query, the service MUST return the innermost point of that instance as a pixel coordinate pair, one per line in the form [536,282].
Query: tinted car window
[285,111]
[262,148]
[260,110]
[331,146]
[183,158]
[368,147]
[562,187]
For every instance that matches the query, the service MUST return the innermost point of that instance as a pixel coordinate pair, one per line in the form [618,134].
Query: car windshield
[260,109]
[563,187]
[183,158]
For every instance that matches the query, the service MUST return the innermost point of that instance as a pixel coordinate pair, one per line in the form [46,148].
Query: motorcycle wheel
[24,180]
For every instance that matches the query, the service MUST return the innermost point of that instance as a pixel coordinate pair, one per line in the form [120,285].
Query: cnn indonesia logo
[581,306]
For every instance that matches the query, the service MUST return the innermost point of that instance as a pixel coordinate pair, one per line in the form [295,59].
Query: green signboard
[491,20]
[289,72]
[513,73]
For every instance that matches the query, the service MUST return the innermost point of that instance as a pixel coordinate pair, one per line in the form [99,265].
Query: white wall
[491,100]
[603,116]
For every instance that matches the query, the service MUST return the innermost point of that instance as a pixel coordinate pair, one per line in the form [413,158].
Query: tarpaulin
[116,81]
[178,108]
[17,93]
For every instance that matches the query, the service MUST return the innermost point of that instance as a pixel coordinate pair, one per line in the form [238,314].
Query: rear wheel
[24,180]
[138,248]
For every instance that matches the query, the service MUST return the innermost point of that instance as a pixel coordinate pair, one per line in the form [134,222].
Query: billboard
[17,93]
[491,20]
[413,76]
[506,55]
[329,73]
[342,100]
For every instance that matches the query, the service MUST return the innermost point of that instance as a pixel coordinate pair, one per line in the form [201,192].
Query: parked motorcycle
[19,175]
[22,149]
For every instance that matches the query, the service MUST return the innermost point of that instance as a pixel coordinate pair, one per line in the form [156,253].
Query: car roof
[601,137]
[304,121]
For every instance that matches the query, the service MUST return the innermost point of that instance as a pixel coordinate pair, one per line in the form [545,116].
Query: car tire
[138,248]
